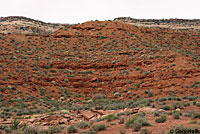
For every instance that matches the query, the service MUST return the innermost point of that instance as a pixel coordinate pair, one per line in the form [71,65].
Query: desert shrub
[150,94]
[146,73]
[137,69]
[156,113]
[121,121]
[36,130]
[53,70]
[129,123]
[150,57]
[99,127]
[122,131]
[82,125]
[176,115]
[2,127]
[72,129]
[161,119]
[145,131]
[141,114]
[166,107]
[185,97]
[136,126]
[136,123]
[117,94]
[110,117]
[177,105]
[194,102]
[31,130]
[14,125]
[63,112]
[88,132]
[98,96]
[162,99]
[2,89]
[192,98]
[8,130]
[187,114]
[153,106]
[176,98]
[197,104]
[193,121]
[66,80]
[163,103]
[55,129]
[185,104]
[195,115]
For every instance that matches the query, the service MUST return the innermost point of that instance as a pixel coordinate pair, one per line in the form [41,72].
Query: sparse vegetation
[161,119]
[72,129]
[136,123]
[103,73]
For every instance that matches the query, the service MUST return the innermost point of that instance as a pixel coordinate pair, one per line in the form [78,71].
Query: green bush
[187,114]
[117,94]
[122,131]
[185,104]
[110,117]
[14,125]
[53,70]
[99,127]
[177,105]
[121,121]
[72,129]
[156,113]
[166,107]
[136,123]
[197,104]
[146,73]
[82,125]
[193,122]
[88,132]
[141,114]
[55,129]
[195,115]
[136,126]
[31,130]
[35,130]
[66,80]
[145,131]
[161,119]
[176,115]
[150,94]
[98,97]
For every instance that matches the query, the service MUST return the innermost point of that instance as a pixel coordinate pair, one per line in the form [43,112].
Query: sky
[78,11]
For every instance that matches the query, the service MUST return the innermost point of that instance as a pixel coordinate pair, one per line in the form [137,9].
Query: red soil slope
[102,57]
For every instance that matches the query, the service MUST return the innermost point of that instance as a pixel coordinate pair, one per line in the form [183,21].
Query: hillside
[164,23]
[23,25]
[100,68]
